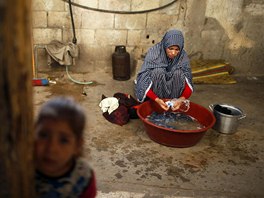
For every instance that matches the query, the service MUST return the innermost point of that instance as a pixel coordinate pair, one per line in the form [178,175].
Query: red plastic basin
[172,137]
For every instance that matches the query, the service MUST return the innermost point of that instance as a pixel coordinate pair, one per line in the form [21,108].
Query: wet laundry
[174,120]
[125,110]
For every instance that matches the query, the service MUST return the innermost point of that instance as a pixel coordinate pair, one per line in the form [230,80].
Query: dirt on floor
[129,164]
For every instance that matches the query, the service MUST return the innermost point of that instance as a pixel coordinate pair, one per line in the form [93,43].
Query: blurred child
[60,171]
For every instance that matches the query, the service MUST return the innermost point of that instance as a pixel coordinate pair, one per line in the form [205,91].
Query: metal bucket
[227,117]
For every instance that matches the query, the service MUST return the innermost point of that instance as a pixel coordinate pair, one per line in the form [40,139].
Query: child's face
[55,147]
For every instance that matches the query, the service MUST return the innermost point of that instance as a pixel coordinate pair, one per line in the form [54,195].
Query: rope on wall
[122,12]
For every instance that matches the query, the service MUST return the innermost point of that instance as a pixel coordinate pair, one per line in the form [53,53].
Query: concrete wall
[230,30]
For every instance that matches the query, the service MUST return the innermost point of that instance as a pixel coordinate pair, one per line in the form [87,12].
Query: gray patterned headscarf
[157,58]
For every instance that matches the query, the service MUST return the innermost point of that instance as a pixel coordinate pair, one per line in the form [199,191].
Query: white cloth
[109,104]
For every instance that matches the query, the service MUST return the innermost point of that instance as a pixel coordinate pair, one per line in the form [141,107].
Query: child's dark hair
[65,109]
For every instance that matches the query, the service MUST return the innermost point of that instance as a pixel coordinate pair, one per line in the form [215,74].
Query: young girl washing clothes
[60,169]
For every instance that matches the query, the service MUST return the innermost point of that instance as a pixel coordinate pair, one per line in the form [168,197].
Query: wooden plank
[16,132]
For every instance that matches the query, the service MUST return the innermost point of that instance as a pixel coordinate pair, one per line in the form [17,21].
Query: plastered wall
[229,30]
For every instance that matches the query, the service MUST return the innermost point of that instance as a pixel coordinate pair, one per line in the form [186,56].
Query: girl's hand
[162,104]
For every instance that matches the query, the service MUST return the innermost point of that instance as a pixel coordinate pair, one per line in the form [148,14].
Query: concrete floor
[128,164]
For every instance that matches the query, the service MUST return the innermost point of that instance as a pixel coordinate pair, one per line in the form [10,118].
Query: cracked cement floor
[128,164]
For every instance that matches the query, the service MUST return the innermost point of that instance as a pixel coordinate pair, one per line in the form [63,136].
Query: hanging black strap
[74,40]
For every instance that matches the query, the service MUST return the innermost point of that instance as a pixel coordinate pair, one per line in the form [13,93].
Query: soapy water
[174,120]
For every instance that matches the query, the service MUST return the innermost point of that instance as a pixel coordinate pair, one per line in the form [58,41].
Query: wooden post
[16,108]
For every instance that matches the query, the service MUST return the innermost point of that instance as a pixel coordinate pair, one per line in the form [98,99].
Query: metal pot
[227,117]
